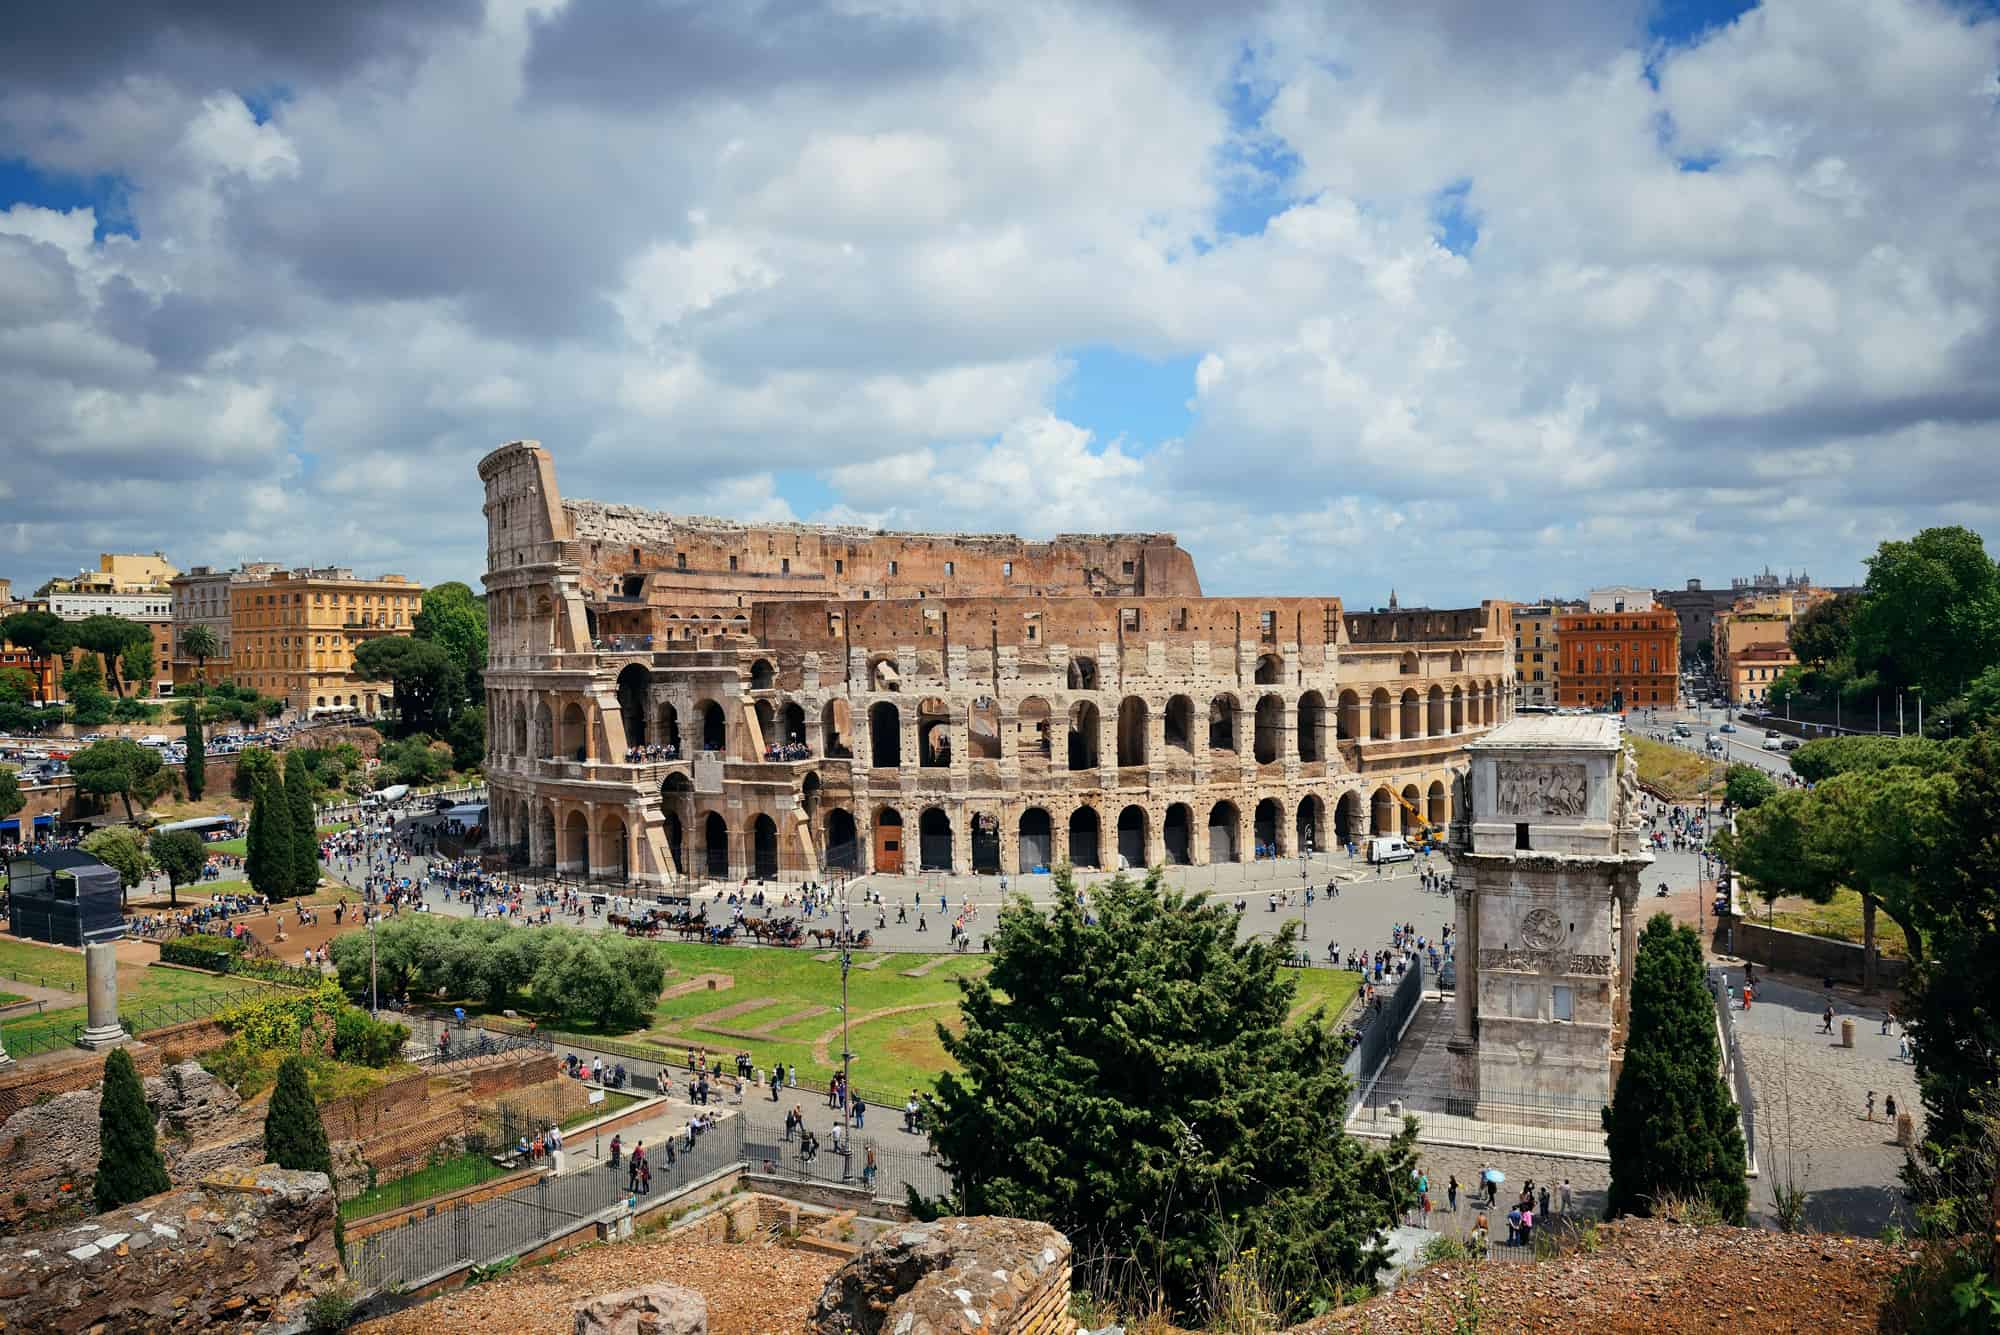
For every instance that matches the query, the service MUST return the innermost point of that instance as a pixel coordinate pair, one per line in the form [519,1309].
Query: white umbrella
[1495,1176]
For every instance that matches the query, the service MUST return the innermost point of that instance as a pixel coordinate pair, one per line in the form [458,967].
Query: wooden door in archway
[889,844]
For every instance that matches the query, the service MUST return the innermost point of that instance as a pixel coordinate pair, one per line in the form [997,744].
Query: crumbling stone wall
[236,1252]
[29,1083]
[978,1273]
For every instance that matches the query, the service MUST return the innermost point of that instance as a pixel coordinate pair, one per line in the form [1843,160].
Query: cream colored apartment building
[293,634]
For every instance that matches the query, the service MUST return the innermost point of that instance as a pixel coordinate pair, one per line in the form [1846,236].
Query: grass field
[1675,770]
[1839,920]
[10,998]
[614,1102]
[795,1017]
[241,847]
[453,1174]
[42,965]
[140,989]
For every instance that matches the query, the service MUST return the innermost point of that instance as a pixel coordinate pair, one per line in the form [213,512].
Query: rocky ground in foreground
[751,1290]
[1647,1276]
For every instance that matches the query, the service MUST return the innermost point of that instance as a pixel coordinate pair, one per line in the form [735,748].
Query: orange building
[1620,660]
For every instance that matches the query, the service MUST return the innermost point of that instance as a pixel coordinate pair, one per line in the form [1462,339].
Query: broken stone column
[100,984]
[983,1274]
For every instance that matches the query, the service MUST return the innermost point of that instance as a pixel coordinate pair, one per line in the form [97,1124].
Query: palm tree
[200,643]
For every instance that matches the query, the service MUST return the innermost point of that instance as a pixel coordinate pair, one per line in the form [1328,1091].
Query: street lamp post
[846,1047]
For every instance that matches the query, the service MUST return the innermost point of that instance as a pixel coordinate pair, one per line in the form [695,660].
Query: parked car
[1729,727]
[1791,744]
[1774,743]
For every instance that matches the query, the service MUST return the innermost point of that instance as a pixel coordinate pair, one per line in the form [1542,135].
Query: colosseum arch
[1269,743]
[1347,821]
[1309,826]
[836,725]
[714,726]
[1035,743]
[1223,833]
[1413,797]
[1312,726]
[1458,709]
[1222,723]
[1035,841]
[1178,725]
[634,685]
[1132,836]
[571,745]
[1082,675]
[885,735]
[1265,822]
[715,846]
[1176,834]
[613,847]
[792,724]
[667,727]
[1381,715]
[1270,670]
[1458,660]
[933,734]
[1084,829]
[1083,733]
[763,840]
[1436,722]
[1437,805]
[763,676]
[520,731]
[1412,721]
[1350,724]
[843,841]
[1131,731]
[1410,664]
[934,839]
[983,729]
[1382,813]
[574,856]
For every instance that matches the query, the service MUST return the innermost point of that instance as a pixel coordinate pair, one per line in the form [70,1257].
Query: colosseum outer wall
[994,733]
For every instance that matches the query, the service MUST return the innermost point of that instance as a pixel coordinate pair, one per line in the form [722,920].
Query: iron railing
[137,1021]
[1378,1027]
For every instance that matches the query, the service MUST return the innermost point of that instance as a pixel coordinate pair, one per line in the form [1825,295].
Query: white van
[154,739]
[1390,848]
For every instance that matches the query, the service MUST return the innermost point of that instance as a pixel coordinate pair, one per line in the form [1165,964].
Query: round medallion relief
[1542,930]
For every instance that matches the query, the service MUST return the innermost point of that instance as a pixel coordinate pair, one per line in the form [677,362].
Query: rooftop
[1557,732]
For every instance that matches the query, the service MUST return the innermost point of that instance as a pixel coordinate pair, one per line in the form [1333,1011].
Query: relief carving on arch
[1541,788]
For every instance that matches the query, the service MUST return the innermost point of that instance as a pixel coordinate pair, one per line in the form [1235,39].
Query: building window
[1128,567]
[680,560]
[1562,1003]
[1128,618]
[1006,570]
[892,567]
[1521,836]
[784,565]
[839,566]
[1034,632]
[732,563]
[1267,624]
[949,569]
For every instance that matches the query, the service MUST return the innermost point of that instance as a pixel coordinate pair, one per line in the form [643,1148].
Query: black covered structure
[63,897]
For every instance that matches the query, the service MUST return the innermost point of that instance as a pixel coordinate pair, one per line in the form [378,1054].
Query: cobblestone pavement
[1812,1106]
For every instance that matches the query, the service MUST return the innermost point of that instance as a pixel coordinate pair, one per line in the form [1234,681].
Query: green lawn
[241,848]
[10,998]
[454,1174]
[46,966]
[613,1102]
[1840,920]
[141,992]
[1675,770]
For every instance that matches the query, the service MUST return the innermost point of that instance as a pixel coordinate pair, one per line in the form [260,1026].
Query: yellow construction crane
[1428,834]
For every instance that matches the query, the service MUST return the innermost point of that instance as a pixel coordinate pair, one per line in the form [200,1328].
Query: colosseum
[672,699]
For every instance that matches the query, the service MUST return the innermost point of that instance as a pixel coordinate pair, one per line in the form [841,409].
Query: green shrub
[129,1167]
[213,953]
[331,1310]
[367,1042]
[294,1136]
[1950,1289]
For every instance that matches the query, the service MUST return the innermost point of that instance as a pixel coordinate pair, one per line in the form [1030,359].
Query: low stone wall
[1813,956]
[237,1252]
[41,1078]
[980,1273]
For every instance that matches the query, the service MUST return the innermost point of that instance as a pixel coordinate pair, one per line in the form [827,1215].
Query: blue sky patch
[21,182]
[1457,227]
[1113,392]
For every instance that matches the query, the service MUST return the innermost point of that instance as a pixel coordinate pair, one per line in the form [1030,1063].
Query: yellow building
[1753,641]
[1537,653]
[293,635]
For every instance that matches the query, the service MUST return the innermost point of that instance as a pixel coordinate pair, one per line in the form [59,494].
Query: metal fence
[1733,1066]
[1378,1026]
[524,1218]
[137,1020]
[1494,1118]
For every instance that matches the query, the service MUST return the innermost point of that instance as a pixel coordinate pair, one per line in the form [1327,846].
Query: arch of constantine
[672,698]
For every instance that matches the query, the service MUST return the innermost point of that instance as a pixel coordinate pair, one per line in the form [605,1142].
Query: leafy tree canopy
[11,800]
[16,687]
[1930,612]
[181,855]
[427,683]
[121,849]
[454,618]
[1747,787]
[116,765]
[1131,1075]
[1829,756]
[1824,632]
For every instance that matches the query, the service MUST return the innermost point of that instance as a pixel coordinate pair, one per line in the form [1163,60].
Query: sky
[1459,299]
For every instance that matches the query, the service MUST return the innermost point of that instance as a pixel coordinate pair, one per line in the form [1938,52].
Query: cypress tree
[268,850]
[195,770]
[1672,1129]
[129,1167]
[294,1137]
[305,832]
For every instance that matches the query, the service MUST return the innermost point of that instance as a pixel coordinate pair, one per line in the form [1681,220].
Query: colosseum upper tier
[672,699]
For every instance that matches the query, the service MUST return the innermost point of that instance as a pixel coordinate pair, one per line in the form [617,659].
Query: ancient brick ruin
[675,698]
